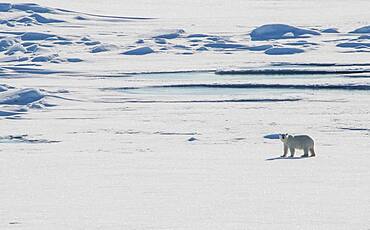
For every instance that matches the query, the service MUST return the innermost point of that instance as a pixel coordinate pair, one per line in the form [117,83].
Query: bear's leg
[305,152]
[292,150]
[285,151]
[312,152]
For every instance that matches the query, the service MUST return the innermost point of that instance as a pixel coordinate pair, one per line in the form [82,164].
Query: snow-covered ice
[166,114]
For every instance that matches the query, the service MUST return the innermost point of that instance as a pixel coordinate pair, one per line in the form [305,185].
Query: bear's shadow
[287,158]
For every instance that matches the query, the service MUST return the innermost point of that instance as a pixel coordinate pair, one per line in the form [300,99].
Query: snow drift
[20,97]
[139,51]
[362,30]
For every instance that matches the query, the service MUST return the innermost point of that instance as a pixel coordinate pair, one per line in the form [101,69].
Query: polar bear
[297,142]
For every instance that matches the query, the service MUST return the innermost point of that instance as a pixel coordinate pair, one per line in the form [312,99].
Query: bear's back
[300,141]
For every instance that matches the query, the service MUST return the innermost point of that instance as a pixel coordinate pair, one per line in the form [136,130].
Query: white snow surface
[164,115]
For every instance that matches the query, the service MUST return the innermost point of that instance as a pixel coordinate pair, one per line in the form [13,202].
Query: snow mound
[5,7]
[81,18]
[202,49]
[100,48]
[330,31]
[26,21]
[356,45]
[20,97]
[139,51]
[85,39]
[283,51]
[8,113]
[301,43]
[192,139]
[34,36]
[364,37]
[74,60]
[33,48]
[197,36]
[140,41]
[42,19]
[362,30]
[15,48]
[63,43]
[259,48]
[31,7]
[6,22]
[91,43]
[279,31]
[3,88]
[45,58]
[160,41]
[181,47]
[172,35]
[5,44]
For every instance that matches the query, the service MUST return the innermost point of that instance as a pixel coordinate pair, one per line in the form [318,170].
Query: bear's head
[283,137]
